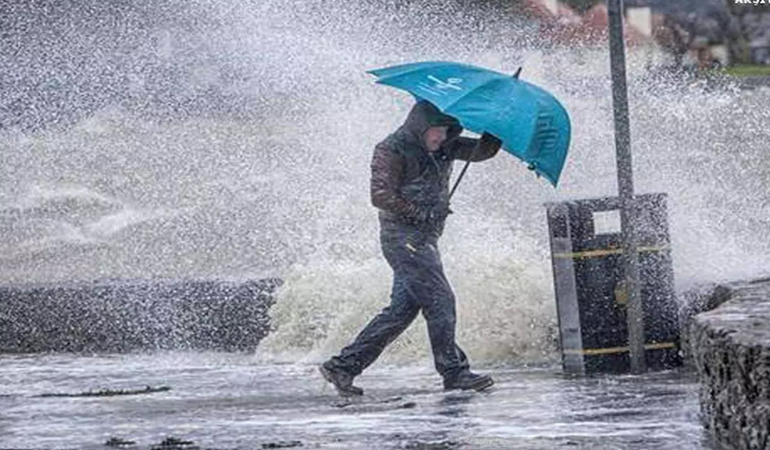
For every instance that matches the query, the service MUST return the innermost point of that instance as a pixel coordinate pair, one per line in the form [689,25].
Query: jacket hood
[425,115]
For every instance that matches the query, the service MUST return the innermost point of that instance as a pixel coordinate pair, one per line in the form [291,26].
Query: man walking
[411,172]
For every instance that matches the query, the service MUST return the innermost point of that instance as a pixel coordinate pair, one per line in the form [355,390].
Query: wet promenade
[231,401]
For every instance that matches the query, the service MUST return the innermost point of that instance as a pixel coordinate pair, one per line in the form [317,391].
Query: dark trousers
[419,284]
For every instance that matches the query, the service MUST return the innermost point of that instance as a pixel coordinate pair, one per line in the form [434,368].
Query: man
[410,185]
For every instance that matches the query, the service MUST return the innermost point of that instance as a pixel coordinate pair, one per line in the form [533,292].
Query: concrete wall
[731,351]
[121,316]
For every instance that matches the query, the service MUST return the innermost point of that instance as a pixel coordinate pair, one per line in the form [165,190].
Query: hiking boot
[468,380]
[341,380]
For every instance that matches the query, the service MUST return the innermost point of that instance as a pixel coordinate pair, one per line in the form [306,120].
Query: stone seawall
[130,315]
[731,352]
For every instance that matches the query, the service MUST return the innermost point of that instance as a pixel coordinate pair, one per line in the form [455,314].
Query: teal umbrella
[532,124]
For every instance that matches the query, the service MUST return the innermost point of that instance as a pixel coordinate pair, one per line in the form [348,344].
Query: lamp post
[628,213]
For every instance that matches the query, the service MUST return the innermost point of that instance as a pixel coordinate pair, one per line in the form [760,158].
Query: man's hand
[486,147]
[489,141]
[434,215]
[440,212]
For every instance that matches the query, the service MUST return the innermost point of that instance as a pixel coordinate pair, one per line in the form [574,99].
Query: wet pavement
[229,401]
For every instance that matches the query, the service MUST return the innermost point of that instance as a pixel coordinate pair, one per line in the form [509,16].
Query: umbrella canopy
[532,124]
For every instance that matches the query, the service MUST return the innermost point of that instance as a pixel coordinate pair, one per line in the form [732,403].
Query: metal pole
[457,183]
[635,314]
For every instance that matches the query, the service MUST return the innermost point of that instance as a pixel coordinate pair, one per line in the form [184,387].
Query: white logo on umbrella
[439,87]
[450,83]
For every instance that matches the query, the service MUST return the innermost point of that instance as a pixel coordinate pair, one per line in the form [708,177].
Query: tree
[748,24]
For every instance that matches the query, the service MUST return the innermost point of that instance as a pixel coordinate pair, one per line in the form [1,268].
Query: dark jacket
[407,179]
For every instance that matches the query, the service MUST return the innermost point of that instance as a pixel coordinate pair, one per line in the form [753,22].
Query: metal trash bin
[589,281]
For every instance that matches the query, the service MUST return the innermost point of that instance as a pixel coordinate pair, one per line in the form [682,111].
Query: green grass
[748,71]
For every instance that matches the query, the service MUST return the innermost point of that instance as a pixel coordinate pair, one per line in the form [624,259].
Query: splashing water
[232,140]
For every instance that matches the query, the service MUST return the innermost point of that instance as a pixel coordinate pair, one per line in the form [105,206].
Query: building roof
[565,27]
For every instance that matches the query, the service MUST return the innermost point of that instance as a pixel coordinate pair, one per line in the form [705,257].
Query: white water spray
[234,142]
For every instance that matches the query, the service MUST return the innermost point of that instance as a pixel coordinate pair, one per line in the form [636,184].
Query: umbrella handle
[462,174]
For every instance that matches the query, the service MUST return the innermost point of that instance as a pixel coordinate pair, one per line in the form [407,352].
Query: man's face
[434,137]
